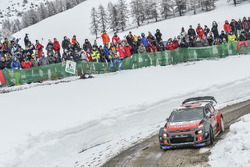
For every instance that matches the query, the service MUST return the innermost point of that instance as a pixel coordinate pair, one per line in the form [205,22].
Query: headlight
[199,131]
[165,135]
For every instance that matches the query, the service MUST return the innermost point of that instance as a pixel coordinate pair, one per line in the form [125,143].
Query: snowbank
[234,149]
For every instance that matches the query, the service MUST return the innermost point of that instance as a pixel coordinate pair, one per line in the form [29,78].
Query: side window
[207,111]
[211,108]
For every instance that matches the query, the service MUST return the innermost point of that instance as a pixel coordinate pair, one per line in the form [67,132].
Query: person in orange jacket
[105,38]
[227,27]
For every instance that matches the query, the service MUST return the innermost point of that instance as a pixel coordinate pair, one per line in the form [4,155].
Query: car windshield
[186,115]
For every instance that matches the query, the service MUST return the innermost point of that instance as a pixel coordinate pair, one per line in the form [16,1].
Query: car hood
[183,125]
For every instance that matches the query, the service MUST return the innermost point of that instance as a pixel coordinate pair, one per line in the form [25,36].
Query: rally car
[195,123]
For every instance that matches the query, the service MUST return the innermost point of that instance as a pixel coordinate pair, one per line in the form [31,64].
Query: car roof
[194,105]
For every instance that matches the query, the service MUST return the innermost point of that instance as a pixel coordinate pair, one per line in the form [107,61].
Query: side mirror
[167,119]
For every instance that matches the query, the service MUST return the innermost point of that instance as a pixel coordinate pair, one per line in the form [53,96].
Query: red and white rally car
[195,123]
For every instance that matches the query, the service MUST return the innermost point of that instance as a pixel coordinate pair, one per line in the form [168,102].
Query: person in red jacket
[127,49]
[39,48]
[88,55]
[151,48]
[116,40]
[26,63]
[120,51]
[200,31]
[176,43]
[227,27]
[170,45]
[74,39]
[57,46]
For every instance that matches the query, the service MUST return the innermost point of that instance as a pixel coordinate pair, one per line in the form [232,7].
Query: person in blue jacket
[106,50]
[144,39]
[15,64]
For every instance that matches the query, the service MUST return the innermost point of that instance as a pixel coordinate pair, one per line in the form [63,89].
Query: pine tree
[6,28]
[51,8]
[154,12]
[113,19]
[137,11]
[164,8]
[122,14]
[42,12]
[94,23]
[59,6]
[102,18]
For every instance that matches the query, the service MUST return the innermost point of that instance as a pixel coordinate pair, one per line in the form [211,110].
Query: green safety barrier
[180,55]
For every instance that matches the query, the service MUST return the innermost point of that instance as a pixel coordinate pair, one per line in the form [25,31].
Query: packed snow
[234,149]
[86,122]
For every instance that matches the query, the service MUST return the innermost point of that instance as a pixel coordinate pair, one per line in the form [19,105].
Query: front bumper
[188,139]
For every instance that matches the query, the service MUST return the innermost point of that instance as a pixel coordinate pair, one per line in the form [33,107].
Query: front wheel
[222,127]
[211,134]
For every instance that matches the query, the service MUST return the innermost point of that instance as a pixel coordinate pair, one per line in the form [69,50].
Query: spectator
[9,59]
[170,45]
[88,55]
[223,36]
[7,46]
[130,39]
[134,48]
[160,46]
[151,48]
[245,24]
[105,37]
[176,43]
[116,40]
[144,39]
[231,37]
[199,42]
[39,48]
[87,45]
[26,40]
[121,52]
[205,41]
[57,46]
[74,39]
[76,56]
[2,48]
[183,43]
[206,30]
[192,41]
[141,49]
[233,27]
[215,30]
[158,35]
[43,61]
[239,27]
[106,50]
[151,38]
[217,42]
[26,63]
[210,38]
[65,43]
[112,47]
[127,49]
[200,31]
[15,64]
[102,54]
[34,61]
[191,32]
[29,49]
[227,27]
[50,48]
[183,32]
[139,41]
[95,55]
[3,64]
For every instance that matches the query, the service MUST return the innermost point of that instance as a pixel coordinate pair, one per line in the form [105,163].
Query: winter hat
[2,58]
[54,39]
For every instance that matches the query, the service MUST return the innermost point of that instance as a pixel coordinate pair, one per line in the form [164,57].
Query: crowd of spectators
[14,56]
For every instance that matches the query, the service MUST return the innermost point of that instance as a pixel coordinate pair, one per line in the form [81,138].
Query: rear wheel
[222,127]
[211,134]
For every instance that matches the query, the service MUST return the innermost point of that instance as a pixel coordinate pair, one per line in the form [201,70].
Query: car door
[214,117]
[211,117]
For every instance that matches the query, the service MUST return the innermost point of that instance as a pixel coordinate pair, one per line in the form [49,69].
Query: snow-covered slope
[49,126]
[77,22]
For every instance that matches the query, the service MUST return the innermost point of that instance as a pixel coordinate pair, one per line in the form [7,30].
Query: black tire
[211,134]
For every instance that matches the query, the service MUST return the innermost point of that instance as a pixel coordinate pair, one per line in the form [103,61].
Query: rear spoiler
[210,99]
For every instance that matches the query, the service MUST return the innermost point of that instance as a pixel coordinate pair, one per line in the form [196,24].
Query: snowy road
[148,153]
